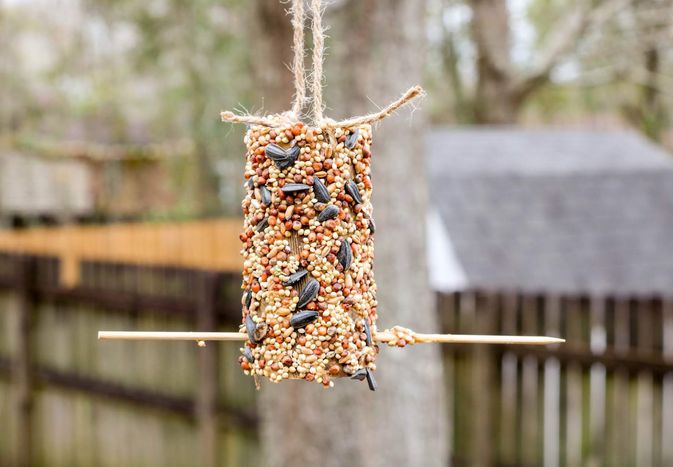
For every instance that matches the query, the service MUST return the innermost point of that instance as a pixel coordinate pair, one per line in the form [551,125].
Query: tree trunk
[648,111]
[376,49]
[271,46]
[206,176]
[653,120]
[462,108]
[495,100]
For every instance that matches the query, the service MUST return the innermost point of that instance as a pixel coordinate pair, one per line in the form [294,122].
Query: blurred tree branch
[187,50]
[563,39]
[504,86]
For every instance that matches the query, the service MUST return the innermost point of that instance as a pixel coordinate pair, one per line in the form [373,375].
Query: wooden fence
[206,245]
[604,398]
[68,399]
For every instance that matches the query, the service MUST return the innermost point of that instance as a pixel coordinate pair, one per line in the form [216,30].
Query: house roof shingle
[556,211]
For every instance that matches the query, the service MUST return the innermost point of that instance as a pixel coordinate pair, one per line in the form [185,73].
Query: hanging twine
[404,99]
[318,51]
[294,115]
[298,62]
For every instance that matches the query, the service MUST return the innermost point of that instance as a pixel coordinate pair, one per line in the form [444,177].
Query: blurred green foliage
[129,71]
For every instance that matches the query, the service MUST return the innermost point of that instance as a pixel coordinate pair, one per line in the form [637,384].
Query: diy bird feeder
[309,293]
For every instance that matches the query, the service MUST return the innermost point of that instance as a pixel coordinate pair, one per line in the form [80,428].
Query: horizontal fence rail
[207,245]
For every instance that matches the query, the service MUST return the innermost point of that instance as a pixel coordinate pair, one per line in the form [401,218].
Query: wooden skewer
[202,337]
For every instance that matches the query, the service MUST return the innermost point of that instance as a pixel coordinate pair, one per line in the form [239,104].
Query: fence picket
[206,404]
[509,420]
[667,385]
[621,431]
[469,404]
[597,381]
[644,398]
[552,386]
[23,370]
[530,428]
[447,303]
[483,382]
[574,340]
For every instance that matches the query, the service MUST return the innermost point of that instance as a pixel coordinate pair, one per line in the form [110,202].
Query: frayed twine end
[289,118]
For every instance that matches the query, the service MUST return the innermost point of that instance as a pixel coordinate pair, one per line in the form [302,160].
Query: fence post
[667,389]
[531,447]
[597,379]
[552,386]
[574,390]
[206,404]
[22,369]
[622,433]
[645,386]
[446,306]
[509,415]
[482,381]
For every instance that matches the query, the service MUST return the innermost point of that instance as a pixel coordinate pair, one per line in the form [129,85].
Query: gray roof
[482,151]
[555,210]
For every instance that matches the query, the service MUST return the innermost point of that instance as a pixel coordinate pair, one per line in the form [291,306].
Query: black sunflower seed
[345,255]
[276,153]
[360,374]
[371,381]
[296,277]
[250,328]
[263,224]
[283,158]
[295,187]
[352,139]
[309,292]
[248,298]
[368,333]
[320,191]
[372,225]
[301,319]
[330,212]
[250,183]
[284,164]
[352,189]
[293,153]
[266,195]
[260,331]
[247,353]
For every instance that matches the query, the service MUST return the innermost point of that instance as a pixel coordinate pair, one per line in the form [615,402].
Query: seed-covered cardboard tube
[309,296]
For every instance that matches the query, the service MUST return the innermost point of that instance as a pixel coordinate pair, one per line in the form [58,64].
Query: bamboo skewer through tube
[201,337]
